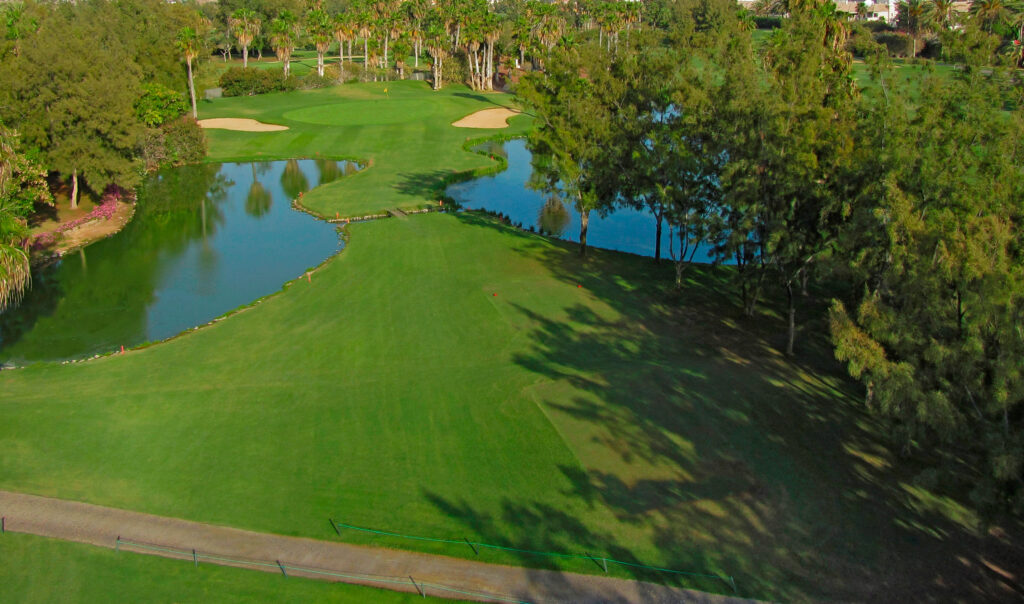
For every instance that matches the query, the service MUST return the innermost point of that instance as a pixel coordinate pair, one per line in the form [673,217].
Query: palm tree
[283,37]
[418,10]
[834,20]
[862,11]
[344,31]
[491,29]
[364,23]
[436,39]
[523,34]
[188,46]
[910,16]
[989,12]
[745,20]
[245,25]
[321,34]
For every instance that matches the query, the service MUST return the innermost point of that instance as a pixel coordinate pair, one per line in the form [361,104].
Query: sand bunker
[243,124]
[487,118]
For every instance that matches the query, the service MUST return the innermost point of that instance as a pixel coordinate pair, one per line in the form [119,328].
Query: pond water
[509,193]
[204,240]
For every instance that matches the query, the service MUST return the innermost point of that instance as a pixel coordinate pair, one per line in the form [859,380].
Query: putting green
[366,113]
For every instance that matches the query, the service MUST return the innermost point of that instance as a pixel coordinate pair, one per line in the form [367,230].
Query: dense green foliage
[159,104]
[247,82]
[84,83]
[779,164]
[934,248]
[22,184]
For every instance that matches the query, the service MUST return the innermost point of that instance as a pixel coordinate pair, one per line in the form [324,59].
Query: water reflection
[553,217]
[257,203]
[204,239]
[510,193]
[329,170]
[293,179]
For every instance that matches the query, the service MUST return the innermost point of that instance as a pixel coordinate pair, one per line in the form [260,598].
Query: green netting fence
[422,587]
[602,561]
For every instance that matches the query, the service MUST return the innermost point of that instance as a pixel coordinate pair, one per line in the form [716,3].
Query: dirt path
[392,569]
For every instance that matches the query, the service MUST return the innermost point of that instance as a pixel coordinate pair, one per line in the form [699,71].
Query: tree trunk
[416,51]
[320,64]
[245,56]
[792,318]
[657,235]
[386,40]
[74,189]
[366,54]
[584,223]
[192,90]
[681,263]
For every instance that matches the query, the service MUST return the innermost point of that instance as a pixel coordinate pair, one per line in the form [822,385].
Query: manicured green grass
[909,75]
[402,129]
[449,377]
[36,569]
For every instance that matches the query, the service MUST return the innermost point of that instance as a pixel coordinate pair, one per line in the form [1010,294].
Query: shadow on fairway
[699,436]
[483,99]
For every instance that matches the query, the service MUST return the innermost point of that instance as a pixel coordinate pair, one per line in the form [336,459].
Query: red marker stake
[122,348]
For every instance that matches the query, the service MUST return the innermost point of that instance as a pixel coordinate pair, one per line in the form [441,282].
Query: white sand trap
[486,118]
[237,123]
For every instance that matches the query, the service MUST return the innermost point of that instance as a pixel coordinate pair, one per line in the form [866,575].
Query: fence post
[117,544]
[3,524]
[334,526]
[475,553]
[281,566]
[195,558]
[422,593]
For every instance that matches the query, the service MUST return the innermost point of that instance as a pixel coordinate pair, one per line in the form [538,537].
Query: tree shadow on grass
[720,454]
[490,100]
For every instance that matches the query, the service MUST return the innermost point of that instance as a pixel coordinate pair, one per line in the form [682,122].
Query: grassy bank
[36,569]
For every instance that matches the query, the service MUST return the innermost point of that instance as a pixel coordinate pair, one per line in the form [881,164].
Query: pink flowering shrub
[105,210]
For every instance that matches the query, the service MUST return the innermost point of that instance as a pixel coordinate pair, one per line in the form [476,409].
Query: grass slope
[36,569]
[450,377]
[402,129]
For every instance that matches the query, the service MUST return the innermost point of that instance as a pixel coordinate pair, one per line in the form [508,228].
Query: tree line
[904,205]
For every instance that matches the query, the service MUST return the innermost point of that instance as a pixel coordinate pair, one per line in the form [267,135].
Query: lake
[204,240]
[509,193]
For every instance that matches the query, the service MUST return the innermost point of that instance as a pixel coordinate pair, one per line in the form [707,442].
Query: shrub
[877,26]
[898,45]
[768,22]
[184,141]
[312,80]
[454,70]
[932,49]
[239,81]
[177,142]
[159,104]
